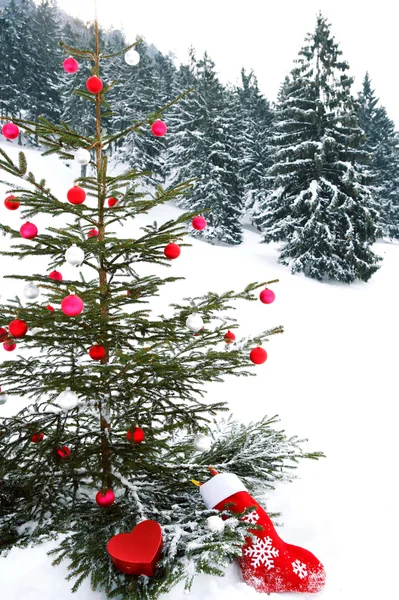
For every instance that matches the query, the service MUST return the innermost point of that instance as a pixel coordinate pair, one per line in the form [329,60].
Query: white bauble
[132,57]
[67,400]
[202,443]
[215,523]
[194,322]
[3,398]
[74,255]
[31,291]
[82,156]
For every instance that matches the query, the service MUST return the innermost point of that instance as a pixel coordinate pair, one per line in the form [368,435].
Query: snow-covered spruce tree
[203,145]
[382,143]
[78,433]
[320,206]
[256,118]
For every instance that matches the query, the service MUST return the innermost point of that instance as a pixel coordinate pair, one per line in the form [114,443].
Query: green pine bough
[153,375]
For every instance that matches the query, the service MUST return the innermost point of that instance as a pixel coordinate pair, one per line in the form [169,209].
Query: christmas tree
[382,143]
[320,206]
[116,425]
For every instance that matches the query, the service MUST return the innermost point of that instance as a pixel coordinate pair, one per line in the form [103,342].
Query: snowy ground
[332,377]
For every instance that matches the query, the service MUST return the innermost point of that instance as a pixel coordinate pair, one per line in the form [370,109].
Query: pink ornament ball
[198,223]
[10,131]
[159,128]
[70,65]
[72,305]
[55,275]
[106,499]
[258,355]
[9,346]
[28,231]
[267,296]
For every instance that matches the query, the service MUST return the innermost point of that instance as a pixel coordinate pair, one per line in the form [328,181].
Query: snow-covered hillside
[332,378]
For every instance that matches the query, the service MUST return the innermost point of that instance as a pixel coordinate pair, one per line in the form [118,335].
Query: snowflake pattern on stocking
[262,552]
[299,569]
[251,517]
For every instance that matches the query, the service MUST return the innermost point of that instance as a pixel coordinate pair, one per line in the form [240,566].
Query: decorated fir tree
[320,206]
[116,424]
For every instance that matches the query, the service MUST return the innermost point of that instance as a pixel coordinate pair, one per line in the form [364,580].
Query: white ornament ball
[82,156]
[215,523]
[132,57]
[3,399]
[74,255]
[194,322]
[203,443]
[31,291]
[67,400]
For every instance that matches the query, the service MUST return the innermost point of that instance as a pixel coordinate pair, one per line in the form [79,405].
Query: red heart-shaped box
[138,552]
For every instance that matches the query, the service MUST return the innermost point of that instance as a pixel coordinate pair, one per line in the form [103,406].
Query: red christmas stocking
[268,564]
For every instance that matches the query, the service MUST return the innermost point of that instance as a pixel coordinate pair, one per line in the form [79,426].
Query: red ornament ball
[94,85]
[198,223]
[229,337]
[76,195]
[72,305]
[49,307]
[159,128]
[10,131]
[37,437]
[70,65]
[11,203]
[92,233]
[97,352]
[28,231]
[9,346]
[63,452]
[3,334]
[172,251]
[112,202]
[136,436]
[106,499]
[258,355]
[18,328]
[56,275]
[267,296]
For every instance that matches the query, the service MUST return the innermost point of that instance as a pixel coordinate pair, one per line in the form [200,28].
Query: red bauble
[137,553]
[258,355]
[76,195]
[172,251]
[18,328]
[28,231]
[56,275]
[97,352]
[159,128]
[94,85]
[112,202]
[106,499]
[11,203]
[229,337]
[92,233]
[9,346]
[70,65]
[37,437]
[137,435]
[49,307]
[10,131]
[3,334]
[198,223]
[267,296]
[72,305]
[63,452]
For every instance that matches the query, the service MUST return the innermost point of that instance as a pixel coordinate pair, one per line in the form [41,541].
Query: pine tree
[382,143]
[203,146]
[320,206]
[55,456]
[256,119]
